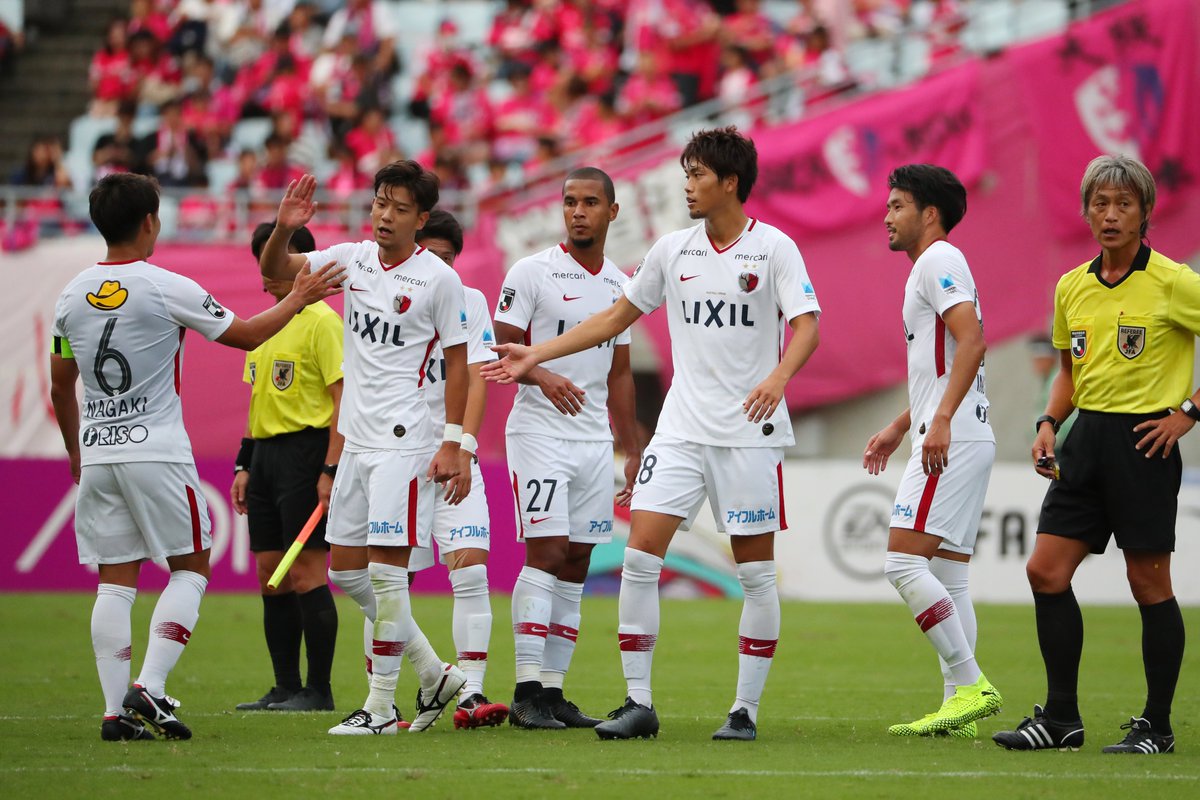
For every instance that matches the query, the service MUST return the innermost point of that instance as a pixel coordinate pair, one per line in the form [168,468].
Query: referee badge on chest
[1131,340]
[282,373]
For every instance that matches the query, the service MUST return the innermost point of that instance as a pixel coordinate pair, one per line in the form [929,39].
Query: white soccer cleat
[432,701]
[364,723]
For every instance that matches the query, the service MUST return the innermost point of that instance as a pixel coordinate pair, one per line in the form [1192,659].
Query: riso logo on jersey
[1131,340]
[109,297]
[506,298]
[282,374]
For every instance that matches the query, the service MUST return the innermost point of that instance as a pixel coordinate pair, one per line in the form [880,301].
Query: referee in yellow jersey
[1125,324]
[284,468]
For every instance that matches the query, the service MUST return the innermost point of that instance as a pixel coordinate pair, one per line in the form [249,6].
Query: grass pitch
[842,674]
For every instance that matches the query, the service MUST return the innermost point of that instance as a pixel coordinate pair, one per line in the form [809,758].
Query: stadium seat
[1038,18]
[249,134]
[473,17]
[221,172]
[168,215]
[991,25]
[912,62]
[873,62]
[412,135]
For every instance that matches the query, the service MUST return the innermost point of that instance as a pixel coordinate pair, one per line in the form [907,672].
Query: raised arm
[295,210]
[308,288]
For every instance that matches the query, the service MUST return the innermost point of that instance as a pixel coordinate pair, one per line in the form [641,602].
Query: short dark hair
[726,152]
[420,182]
[120,202]
[593,174]
[303,239]
[931,185]
[442,225]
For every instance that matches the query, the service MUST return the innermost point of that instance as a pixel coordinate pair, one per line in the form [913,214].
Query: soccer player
[936,516]
[139,495]
[461,531]
[401,301]
[729,284]
[559,443]
[284,468]
[1126,324]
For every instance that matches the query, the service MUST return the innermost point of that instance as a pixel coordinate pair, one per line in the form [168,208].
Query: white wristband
[453,433]
[469,443]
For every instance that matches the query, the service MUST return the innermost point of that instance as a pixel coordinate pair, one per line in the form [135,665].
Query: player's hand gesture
[935,450]
[562,394]
[445,469]
[1043,452]
[297,206]
[762,402]
[516,361]
[237,492]
[1163,432]
[311,286]
[880,447]
[633,461]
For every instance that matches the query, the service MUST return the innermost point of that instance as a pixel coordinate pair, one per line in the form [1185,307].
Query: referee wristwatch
[1190,408]
[329,469]
[1037,425]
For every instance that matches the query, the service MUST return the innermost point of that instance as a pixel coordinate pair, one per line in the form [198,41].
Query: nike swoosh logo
[354,288]
[760,647]
[683,278]
[569,299]
[536,520]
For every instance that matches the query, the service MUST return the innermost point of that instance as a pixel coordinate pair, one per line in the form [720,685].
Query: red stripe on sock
[926,501]
[472,655]
[637,642]
[760,648]
[173,631]
[937,612]
[564,631]
[194,508]
[530,629]
[370,669]
[124,654]
[412,512]
[382,648]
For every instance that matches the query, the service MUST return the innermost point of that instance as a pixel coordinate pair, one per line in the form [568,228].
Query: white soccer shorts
[140,509]
[456,527]
[381,498]
[744,485]
[562,488]
[946,505]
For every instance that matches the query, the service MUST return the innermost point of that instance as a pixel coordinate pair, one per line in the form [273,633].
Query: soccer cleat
[919,727]
[364,723]
[1142,740]
[1039,732]
[563,710]
[276,694]
[967,704]
[968,731]
[447,686]
[739,727]
[476,711]
[307,699]
[533,714]
[157,712]
[630,721]
[120,728]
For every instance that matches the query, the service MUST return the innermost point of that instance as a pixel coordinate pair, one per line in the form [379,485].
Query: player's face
[395,217]
[586,212]
[1116,216]
[705,192]
[440,248]
[903,221]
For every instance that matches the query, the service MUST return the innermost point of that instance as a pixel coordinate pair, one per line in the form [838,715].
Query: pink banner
[40,533]
[1121,82]
[831,172]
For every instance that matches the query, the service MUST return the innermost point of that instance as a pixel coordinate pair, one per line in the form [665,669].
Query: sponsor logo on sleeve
[809,292]
[947,284]
[507,296]
[213,307]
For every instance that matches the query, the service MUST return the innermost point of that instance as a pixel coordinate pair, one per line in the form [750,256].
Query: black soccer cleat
[1039,732]
[307,699]
[120,728]
[276,694]
[157,712]
[739,727]
[630,721]
[565,711]
[532,714]
[1142,740]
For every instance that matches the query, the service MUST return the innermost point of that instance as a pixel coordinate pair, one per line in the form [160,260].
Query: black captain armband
[1037,426]
[245,453]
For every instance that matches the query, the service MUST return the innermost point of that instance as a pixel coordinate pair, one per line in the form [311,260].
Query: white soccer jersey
[726,313]
[124,323]
[545,295]
[479,351]
[394,316]
[940,279]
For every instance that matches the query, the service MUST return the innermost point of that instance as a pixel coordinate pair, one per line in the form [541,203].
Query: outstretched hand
[516,361]
[297,206]
[313,285]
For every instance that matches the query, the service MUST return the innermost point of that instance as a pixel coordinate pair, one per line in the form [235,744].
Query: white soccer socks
[564,630]
[112,642]
[356,583]
[953,575]
[758,633]
[531,604]
[638,620]
[393,627]
[934,611]
[171,625]
[472,624]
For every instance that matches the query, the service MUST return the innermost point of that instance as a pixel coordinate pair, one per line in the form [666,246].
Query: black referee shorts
[1107,488]
[282,492]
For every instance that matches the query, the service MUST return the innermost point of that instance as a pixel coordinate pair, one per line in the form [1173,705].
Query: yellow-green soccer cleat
[968,704]
[922,727]
[968,731]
